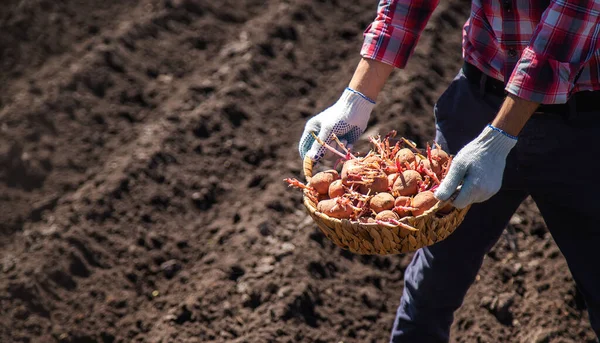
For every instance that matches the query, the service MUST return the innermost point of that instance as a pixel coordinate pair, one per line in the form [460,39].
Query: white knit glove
[347,119]
[479,165]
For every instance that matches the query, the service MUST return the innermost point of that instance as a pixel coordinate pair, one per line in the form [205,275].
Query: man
[522,117]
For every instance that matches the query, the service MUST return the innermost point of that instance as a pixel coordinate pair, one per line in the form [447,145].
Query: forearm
[513,114]
[370,77]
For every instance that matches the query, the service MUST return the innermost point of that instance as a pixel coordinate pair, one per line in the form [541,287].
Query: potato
[407,183]
[386,215]
[436,167]
[336,189]
[443,156]
[423,201]
[390,169]
[379,184]
[382,202]
[391,179]
[403,201]
[405,155]
[372,159]
[322,197]
[332,209]
[321,181]
[351,167]
[446,209]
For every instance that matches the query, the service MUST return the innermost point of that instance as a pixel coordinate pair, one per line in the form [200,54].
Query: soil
[142,150]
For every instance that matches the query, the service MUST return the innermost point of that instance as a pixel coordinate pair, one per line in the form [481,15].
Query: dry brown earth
[142,150]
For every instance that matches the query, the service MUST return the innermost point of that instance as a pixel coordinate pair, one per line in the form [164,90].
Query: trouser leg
[439,276]
[567,195]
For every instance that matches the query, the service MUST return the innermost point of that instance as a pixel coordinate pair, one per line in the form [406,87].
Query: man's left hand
[479,166]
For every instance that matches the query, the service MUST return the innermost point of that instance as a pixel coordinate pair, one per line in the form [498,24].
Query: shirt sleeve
[392,37]
[563,42]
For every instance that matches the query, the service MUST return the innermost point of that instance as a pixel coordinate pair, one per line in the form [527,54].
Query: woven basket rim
[405,220]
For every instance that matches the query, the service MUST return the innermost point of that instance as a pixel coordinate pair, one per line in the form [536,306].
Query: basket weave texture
[377,239]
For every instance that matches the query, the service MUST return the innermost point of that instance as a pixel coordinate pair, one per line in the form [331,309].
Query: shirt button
[512,53]
[506,5]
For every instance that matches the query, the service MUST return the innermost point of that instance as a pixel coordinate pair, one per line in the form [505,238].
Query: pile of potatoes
[386,185]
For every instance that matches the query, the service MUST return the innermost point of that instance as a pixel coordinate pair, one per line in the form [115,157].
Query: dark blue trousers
[554,162]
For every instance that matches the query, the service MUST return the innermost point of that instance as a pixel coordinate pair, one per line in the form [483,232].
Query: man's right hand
[347,119]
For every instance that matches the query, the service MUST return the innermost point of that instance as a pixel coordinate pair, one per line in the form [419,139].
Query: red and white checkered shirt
[543,50]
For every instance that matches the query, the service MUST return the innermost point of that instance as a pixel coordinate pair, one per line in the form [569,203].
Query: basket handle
[307,167]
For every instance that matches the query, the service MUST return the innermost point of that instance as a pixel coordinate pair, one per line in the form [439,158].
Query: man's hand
[347,119]
[479,165]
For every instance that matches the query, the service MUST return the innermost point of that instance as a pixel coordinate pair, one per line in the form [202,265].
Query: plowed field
[143,145]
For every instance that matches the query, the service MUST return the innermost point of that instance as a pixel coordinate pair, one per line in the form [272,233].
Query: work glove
[479,166]
[347,119]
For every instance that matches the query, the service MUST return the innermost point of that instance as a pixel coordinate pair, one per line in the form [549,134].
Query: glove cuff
[496,140]
[355,102]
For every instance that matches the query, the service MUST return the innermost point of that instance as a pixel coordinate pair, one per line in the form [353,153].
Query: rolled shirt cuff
[542,79]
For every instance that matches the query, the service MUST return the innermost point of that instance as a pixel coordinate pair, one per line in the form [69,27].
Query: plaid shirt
[543,50]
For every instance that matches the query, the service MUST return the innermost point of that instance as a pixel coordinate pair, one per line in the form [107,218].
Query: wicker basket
[376,239]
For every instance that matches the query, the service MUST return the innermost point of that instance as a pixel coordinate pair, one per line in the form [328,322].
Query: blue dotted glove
[347,119]
[479,166]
